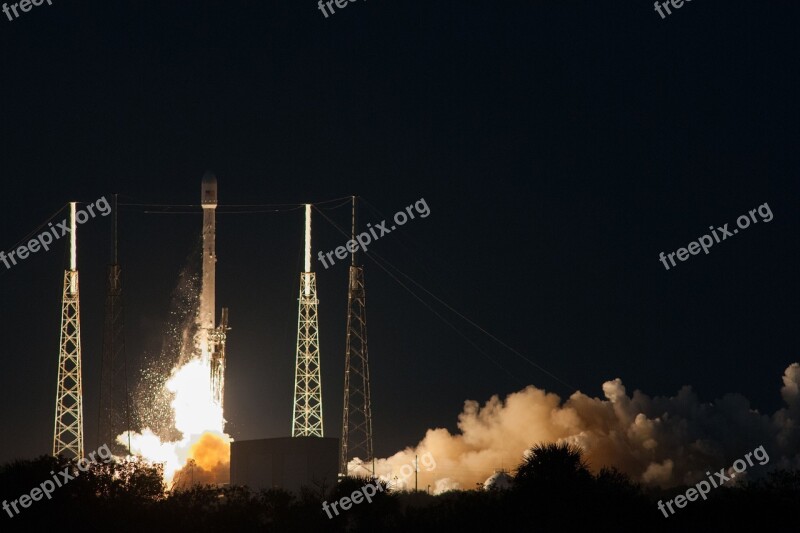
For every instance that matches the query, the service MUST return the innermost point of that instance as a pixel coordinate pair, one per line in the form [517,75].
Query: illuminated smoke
[195,410]
[200,422]
[211,457]
[183,426]
[658,441]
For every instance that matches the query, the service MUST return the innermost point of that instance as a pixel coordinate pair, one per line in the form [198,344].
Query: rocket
[212,339]
[208,200]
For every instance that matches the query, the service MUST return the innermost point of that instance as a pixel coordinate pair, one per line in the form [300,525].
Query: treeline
[552,491]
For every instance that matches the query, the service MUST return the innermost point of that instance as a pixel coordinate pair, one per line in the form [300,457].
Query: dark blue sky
[561,146]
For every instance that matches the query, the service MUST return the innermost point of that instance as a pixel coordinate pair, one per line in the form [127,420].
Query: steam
[208,462]
[183,427]
[657,441]
[203,446]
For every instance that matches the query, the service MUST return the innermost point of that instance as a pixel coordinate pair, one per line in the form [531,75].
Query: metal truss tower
[307,412]
[357,410]
[115,408]
[68,429]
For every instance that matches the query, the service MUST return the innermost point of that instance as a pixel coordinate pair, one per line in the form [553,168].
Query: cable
[28,237]
[478,327]
[231,209]
[413,248]
[160,205]
[472,323]
[301,206]
[373,256]
[295,205]
[170,212]
[345,202]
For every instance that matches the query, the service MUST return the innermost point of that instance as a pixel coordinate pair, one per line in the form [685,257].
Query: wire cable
[376,260]
[29,236]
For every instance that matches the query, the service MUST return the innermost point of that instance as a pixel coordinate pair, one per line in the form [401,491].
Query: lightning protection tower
[307,414]
[357,411]
[68,430]
[114,413]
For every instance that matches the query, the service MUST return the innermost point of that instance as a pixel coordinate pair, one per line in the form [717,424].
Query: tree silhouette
[553,466]
[553,490]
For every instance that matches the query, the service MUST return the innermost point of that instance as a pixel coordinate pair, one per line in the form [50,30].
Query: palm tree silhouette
[553,465]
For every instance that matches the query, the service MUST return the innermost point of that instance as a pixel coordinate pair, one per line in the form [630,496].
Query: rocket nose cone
[209,178]
[208,190]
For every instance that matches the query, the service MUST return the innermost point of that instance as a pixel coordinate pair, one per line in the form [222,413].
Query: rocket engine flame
[200,421]
[196,391]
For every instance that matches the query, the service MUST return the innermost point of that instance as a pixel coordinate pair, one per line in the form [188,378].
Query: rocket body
[208,288]
[211,338]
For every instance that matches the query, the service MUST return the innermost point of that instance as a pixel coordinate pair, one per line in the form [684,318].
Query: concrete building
[287,462]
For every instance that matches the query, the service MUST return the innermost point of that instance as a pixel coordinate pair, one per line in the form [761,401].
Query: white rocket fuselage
[208,289]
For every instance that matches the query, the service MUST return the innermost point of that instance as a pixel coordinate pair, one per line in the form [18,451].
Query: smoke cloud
[657,441]
[208,462]
[183,427]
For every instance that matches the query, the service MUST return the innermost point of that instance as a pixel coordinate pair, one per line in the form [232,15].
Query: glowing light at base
[195,409]
[199,419]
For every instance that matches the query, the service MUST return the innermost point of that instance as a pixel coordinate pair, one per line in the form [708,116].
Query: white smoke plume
[182,427]
[659,441]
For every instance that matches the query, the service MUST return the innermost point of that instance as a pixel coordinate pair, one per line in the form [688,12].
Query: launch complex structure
[68,429]
[307,412]
[210,340]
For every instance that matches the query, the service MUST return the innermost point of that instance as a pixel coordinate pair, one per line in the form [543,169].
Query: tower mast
[114,413]
[357,409]
[307,411]
[68,428]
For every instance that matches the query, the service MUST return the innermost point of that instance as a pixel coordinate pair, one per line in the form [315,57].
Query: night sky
[560,146]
